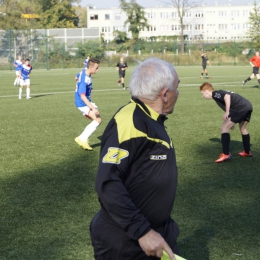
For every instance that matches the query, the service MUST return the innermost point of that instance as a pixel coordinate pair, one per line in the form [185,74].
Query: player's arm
[227,99]
[251,63]
[208,62]
[89,104]
[114,166]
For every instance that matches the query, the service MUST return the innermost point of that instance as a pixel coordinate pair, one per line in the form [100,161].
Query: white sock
[15,81]
[27,92]
[89,130]
[20,92]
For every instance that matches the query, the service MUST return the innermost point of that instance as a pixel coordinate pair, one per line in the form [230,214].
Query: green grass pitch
[47,196]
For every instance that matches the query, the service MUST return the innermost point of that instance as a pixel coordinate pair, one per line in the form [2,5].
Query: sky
[153,3]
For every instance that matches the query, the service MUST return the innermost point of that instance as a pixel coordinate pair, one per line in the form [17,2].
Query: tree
[58,14]
[254,31]
[52,14]
[135,18]
[182,6]
[81,12]
[120,37]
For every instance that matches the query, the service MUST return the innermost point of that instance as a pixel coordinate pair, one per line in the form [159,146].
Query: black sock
[246,143]
[225,140]
[201,74]
[206,74]
[123,84]
[248,79]
[258,80]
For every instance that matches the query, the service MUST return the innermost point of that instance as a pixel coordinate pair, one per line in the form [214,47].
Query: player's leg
[225,140]
[245,138]
[28,89]
[258,78]
[17,79]
[201,75]
[82,139]
[119,81]
[123,81]
[248,79]
[206,72]
[22,84]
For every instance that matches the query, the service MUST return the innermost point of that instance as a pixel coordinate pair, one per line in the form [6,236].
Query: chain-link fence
[67,48]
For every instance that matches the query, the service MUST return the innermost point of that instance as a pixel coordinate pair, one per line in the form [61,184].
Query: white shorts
[25,82]
[85,110]
[17,73]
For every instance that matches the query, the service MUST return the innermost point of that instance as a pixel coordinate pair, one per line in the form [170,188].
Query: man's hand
[153,244]
[95,111]
[225,116]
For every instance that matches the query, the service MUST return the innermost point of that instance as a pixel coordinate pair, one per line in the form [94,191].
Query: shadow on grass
[200,238]
[45,213]
[43,95]
[218,205]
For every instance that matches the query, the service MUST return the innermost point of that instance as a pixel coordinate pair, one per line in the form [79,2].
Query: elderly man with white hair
[137,175]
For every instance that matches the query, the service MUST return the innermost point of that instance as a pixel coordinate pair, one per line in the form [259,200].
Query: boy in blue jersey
[85,62]
[24,73]
[17,64]
[77,80]
[84,104]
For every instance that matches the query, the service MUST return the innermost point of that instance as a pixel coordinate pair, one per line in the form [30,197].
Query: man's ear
[164,94]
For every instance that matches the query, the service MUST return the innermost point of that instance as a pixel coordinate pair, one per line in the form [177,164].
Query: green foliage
[59,14]
[90,48]
[254,31]
[135,18]
[120,37]
[52,14]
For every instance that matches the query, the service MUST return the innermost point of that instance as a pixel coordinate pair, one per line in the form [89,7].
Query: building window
[176,27]
[151,15]
[199,14]
[234,13]
[222,13]
[118,16]
[222,27]
[235,26]
[164,15]
[105,29]
[246,13]
[94,17]
[107,16]
[175,15]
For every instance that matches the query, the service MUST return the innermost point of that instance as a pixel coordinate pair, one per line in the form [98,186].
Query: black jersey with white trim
[204,60]
[122,66]
[237,104]
[137,175]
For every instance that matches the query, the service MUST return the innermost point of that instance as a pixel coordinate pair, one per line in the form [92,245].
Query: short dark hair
[92,61]
[27,59]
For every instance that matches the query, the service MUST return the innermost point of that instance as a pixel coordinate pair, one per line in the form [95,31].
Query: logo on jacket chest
[160,157]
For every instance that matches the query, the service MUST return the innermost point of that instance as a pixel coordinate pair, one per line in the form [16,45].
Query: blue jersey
[84,86]
[77,76]
[18,64]
[25,71]
[85,62]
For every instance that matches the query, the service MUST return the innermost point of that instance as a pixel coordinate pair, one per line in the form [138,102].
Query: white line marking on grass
[67,92]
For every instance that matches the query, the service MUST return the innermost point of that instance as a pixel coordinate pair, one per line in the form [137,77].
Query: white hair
[150,77]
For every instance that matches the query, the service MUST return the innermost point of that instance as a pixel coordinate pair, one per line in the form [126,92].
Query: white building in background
[208,23]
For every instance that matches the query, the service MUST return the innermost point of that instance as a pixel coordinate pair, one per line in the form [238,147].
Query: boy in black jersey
[121,67]
[237,110]
[205,61]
